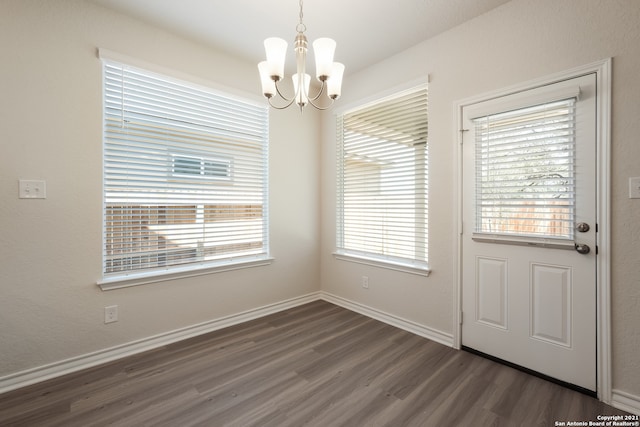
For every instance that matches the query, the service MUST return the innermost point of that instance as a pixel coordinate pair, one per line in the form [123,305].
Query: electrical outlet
[365,282]
[32,189]
[111,314]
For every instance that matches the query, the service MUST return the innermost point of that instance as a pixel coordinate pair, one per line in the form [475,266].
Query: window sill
[389,265]
[144,278]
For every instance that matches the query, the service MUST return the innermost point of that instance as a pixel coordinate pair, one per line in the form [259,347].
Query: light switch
[32,189]
[634,188]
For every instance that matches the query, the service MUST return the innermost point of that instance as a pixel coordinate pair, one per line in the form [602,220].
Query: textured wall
[50,128]
[519,41]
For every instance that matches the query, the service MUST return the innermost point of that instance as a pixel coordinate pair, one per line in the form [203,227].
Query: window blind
[383,180]
[185,174]
[525,171]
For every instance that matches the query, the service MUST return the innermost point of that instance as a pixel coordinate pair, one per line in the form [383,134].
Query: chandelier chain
[301,28]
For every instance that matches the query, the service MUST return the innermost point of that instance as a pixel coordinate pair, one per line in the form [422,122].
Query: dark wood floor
[314,365]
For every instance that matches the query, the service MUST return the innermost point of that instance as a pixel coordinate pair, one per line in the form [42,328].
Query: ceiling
[366,31]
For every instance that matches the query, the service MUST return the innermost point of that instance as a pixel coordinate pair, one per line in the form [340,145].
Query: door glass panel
[525,164]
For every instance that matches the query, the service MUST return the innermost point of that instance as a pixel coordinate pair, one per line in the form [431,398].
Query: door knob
[582,227]
[582,248]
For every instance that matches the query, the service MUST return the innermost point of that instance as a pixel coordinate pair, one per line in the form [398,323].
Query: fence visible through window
[140,237]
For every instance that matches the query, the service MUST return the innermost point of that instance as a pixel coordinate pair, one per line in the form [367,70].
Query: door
[529,229]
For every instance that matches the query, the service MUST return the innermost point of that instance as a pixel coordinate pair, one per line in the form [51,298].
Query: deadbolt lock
[582,227]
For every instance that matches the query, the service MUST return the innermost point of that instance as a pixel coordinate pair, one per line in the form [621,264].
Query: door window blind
[382,180]
[525,171]
[185,174]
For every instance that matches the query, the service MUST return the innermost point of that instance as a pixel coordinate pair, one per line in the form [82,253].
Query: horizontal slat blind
[382,180]
[185,174]
[525,171]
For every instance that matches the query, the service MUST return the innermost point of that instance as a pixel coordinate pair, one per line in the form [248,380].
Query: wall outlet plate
[365,282]
[111,314]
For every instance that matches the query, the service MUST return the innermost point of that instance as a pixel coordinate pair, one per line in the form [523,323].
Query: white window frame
[211,264]
[558,135]
[418,264]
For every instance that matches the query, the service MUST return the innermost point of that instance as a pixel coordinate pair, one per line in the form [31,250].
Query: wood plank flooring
[313,365]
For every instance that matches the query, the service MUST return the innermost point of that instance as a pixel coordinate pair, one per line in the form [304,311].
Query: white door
[529,229]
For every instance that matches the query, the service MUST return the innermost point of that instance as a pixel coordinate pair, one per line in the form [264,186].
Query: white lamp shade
[276,50]
[301,95]
[268,85]
[334,84]
[323,50]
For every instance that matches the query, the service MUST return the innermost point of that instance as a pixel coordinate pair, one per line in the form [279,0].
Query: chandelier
[329,73]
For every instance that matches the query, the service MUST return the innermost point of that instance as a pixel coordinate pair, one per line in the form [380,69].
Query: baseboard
[53,370]
[625,401]
[407,325]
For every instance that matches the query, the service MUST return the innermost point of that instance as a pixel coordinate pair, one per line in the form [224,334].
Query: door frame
[602,70]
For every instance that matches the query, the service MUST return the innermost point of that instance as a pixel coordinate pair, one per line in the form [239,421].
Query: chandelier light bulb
[301,93]
[334,84]
[323,50]
[268,84]
[276,50]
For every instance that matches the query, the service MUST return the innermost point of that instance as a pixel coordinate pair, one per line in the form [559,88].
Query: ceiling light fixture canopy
[329,73]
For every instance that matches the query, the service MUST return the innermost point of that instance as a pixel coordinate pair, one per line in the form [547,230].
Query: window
[185,176]
[382,182]
[525,171]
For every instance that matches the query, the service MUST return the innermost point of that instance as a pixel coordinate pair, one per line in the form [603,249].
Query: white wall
[519,41]
[51,129]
